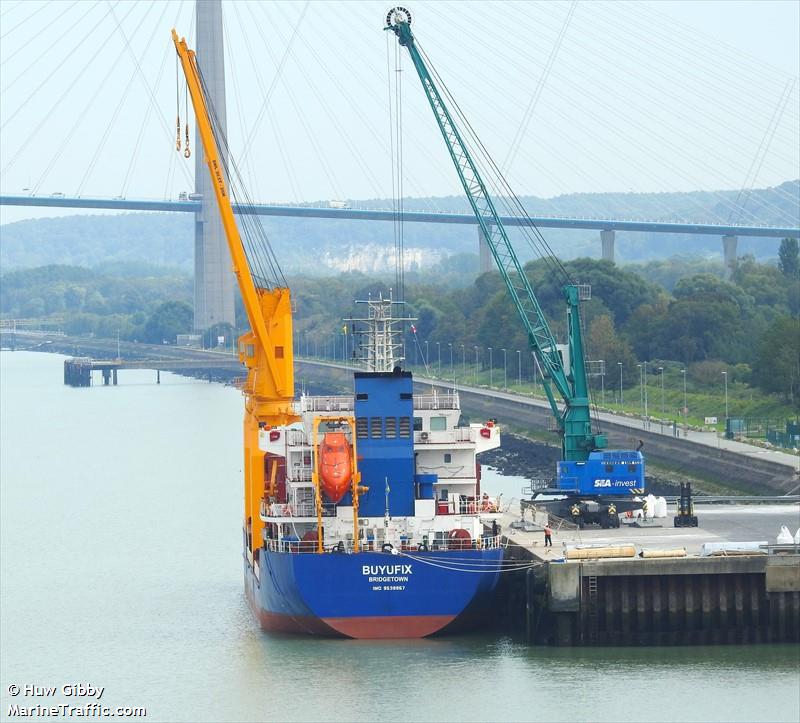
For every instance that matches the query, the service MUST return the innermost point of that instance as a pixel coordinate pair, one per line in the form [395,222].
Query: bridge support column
[607,237]
[485,260]
[729,244]
[213,277]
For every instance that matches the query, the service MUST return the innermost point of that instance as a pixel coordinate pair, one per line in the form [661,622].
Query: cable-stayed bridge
[761,118]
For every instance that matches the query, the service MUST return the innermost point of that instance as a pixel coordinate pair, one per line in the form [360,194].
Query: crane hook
[187,152]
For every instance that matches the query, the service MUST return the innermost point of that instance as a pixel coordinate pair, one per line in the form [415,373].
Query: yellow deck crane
[266,350]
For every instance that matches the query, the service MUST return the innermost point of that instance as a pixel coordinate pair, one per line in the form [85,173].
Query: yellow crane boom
[266,350]
[268,347]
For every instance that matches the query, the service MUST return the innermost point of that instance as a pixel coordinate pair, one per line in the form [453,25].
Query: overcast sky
[642,96]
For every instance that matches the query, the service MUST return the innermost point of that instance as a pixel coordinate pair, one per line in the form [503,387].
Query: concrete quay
[662,601]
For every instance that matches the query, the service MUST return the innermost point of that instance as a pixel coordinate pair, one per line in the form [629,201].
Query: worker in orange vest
[548,534]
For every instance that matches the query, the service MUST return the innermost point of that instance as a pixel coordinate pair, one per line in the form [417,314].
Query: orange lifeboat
[335,465]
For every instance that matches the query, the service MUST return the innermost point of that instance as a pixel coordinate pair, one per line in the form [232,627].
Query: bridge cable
[722,197]
[508,198]
[124,96]
[62,64]
[41,30]
[761,152]
[151,95]
[78,121]
[137,144]
[264,265]
[24,20]
[278,70]
[298,107]
[537,92]
[279,139]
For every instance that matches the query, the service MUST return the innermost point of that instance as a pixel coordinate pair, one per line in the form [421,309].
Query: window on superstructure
[417,424]
[376,427]
[391,427]
[405,427]
[448,458]
[361,428]
[438,424]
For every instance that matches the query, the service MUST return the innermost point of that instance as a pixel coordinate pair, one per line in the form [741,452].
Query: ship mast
[381,347]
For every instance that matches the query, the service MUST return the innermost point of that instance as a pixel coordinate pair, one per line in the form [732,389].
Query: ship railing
[296,437]
[298,509]
[437,401]
[300,474]
[473,506]
[446,436]
[297,546]
[326,404]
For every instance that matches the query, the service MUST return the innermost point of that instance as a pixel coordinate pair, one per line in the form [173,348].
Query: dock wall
[688,601]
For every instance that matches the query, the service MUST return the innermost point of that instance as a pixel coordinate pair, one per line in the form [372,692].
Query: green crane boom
[575,423]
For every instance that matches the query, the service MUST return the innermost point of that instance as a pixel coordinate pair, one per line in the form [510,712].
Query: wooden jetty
[78,370]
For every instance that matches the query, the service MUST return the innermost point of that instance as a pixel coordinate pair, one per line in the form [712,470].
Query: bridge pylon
[213,274]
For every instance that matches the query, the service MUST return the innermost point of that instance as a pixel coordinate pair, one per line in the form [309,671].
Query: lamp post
[463,362]
[519,369]
[603,381]
[621,402]
[505,372]
[491,368]
[450,344]
[439,357]
[725,377]
[685,408]
[641,391]
[534,364]
[476,364]
[427,356]
[646,415]
[663,409]
[119,356]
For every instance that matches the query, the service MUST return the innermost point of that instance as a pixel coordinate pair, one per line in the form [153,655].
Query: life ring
[387,547]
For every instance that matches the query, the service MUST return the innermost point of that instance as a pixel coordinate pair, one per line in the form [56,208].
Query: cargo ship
[363,514]
[373,520]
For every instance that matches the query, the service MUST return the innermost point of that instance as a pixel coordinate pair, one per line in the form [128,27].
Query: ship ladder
[592,611]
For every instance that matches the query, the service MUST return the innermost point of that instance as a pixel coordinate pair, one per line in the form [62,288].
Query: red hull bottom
[372,627]
[399,626]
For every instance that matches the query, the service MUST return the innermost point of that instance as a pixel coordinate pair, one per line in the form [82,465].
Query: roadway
[635,424]
[361,214]
[747,468]
[750,468]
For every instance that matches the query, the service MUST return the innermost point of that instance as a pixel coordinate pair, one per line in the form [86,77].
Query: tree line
[672,312]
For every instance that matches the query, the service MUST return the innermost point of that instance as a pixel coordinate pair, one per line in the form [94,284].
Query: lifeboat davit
[335,465]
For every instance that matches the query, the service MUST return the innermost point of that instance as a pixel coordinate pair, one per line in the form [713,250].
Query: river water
[121,568]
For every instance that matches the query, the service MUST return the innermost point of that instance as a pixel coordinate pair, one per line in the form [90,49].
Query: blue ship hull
[373,594]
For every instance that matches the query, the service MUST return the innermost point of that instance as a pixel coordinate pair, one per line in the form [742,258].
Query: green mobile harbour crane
[595,484]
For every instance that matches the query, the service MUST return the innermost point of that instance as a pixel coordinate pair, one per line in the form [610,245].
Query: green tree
[167,321]
[789,257]
[604,343]
[777,366]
